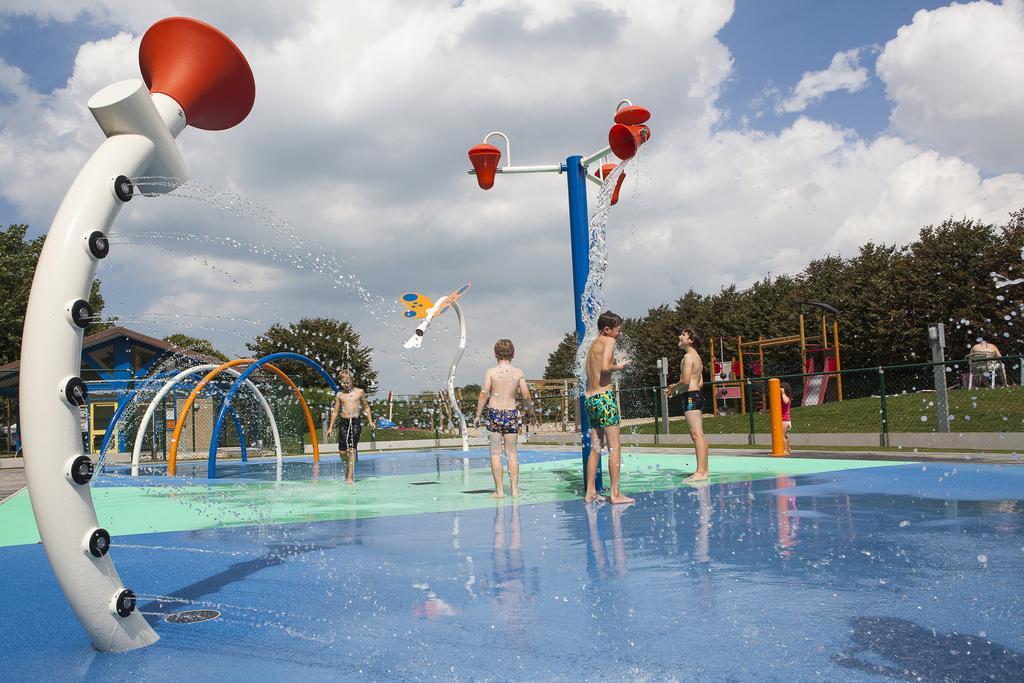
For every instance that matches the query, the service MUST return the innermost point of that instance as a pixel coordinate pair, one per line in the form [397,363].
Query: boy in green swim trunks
[601,407]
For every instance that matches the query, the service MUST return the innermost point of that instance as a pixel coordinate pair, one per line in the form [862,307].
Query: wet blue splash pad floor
[906,571]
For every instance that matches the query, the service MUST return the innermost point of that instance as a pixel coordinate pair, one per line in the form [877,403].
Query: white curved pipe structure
[416,340]
[198,77]
[451,376]
[140,131]
[184,374]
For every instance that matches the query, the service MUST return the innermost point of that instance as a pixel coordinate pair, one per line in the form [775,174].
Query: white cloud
[953,75]
[357,149]
[844,73]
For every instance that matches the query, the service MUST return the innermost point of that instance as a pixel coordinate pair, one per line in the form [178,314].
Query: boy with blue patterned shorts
[602,410]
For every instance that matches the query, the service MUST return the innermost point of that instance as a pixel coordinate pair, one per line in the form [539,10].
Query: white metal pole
[451,375]
[140,141]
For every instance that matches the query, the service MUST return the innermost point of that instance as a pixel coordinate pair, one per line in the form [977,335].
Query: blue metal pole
[241,432]
[580,242]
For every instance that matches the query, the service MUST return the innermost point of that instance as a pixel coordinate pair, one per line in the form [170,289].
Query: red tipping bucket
[604,172]
[485,160]
[201,69]
[632,116]
[625,140]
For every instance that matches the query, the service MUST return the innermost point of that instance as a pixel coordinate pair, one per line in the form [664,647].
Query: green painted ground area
[125,510]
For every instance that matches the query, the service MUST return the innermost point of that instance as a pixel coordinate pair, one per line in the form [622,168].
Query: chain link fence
[857,407]
[958,397]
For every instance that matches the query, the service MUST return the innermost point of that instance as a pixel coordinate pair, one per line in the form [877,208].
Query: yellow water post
[775,413]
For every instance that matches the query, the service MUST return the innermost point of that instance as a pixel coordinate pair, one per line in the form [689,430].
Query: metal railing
[981,396]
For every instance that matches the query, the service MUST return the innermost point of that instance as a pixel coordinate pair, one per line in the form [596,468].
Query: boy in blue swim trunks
[601,407]
[503,418]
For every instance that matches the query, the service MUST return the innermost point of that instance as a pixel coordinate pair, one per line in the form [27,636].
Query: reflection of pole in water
[468,559]
[787,524]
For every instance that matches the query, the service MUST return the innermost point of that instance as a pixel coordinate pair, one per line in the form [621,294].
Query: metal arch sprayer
[625,138]
[266,361]
[420,306]
[192,74]
[178,378]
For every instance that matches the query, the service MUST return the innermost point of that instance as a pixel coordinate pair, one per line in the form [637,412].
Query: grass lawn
[975,410]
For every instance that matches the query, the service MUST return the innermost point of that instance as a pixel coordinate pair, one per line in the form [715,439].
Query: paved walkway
[11,481]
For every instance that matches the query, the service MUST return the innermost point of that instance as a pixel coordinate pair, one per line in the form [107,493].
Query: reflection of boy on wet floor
[503,419]
[787,419]
[691,371]
[347,402]
[602,410]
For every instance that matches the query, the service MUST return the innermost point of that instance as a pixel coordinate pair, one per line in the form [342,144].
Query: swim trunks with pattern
[602,410]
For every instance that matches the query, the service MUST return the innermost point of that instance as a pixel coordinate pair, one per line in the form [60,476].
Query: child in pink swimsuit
[787,420]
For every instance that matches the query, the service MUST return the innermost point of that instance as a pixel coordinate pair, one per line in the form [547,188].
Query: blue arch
[283,355]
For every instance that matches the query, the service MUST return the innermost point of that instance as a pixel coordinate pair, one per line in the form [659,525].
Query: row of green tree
[886,296]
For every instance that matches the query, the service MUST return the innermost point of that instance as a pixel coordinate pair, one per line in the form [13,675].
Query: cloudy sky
[782,131]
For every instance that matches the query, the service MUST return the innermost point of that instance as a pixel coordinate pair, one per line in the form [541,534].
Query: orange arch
[172,456]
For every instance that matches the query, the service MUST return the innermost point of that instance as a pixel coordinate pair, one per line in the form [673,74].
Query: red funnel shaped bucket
[632,115]
[485,160]
[604,172]
[626,140]
[201,69]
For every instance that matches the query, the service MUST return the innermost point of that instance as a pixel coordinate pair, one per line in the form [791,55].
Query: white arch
[148,415]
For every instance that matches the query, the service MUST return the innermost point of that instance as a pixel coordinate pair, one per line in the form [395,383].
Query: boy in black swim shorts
[347,402]
[691,378]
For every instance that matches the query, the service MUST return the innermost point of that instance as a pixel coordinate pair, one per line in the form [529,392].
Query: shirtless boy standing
[691,378]
[347,401]
[503,419]
[601,407]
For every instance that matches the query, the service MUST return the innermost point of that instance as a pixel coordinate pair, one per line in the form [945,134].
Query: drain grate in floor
[480,491]
[192,616]
[422,483]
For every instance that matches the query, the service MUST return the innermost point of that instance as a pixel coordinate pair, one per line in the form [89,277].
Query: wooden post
[714,398]
[743,394]
[803,346]
[835,342]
